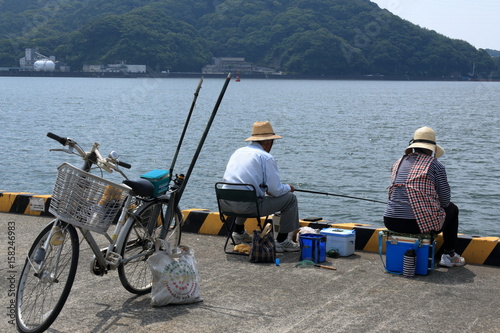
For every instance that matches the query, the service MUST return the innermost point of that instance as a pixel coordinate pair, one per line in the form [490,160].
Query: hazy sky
[475,21]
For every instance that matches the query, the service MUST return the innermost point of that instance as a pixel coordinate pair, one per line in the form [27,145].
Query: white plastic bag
[302,231]
[175,277]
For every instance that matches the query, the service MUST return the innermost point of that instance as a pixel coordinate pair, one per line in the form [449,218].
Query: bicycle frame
[111,259]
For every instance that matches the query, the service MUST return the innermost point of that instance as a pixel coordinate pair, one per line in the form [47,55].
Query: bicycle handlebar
[125,165]
[57,138]
[93,157]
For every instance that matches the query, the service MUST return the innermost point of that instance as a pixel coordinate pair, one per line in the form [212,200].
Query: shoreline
[17,73]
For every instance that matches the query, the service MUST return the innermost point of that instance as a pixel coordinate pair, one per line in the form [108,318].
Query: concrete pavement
[243,297]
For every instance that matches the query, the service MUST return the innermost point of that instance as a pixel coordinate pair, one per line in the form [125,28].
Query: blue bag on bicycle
[160,180]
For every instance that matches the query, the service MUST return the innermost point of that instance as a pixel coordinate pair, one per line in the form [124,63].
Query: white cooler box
[341,240]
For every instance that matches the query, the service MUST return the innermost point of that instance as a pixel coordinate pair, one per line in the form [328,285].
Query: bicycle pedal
[113,259]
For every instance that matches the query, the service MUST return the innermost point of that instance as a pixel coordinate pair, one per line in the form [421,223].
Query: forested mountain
[493,53]
[308,37]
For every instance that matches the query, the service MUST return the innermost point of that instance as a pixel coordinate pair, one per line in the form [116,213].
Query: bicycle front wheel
[47,278]
[139,244]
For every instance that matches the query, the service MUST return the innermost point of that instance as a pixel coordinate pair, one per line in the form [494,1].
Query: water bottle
[409,262]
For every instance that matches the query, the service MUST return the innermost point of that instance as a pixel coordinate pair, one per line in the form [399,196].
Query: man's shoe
[287,246]
[242,238]
[451,261]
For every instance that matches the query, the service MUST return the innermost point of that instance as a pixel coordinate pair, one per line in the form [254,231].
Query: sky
[475,21]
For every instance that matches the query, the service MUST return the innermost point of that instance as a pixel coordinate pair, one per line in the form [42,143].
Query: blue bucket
[312,247]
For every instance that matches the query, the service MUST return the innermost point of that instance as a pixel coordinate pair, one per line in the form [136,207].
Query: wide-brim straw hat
[261,131]
[425,137]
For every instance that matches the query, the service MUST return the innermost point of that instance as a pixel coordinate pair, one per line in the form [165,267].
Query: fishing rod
[338,195]
[202,140]
[175,196]
[185,126]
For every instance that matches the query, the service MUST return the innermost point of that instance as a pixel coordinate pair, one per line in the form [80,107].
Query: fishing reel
[178,180]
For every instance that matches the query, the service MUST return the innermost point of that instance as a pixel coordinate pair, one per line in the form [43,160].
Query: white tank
[44,65]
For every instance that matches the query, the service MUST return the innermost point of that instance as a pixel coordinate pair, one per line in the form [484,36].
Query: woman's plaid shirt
[422,194]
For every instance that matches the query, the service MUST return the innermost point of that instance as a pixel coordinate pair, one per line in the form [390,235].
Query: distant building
[120,66]
[33,60]
[224,65]
[30,56]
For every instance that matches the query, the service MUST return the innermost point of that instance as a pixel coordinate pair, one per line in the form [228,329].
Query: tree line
[304,37]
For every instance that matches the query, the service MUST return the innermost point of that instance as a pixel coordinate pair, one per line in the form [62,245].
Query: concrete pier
[239,296]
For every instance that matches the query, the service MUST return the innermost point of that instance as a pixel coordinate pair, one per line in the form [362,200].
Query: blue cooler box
[396,246]
[312,247]
[340,240]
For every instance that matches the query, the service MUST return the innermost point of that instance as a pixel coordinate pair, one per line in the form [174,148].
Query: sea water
[339,137]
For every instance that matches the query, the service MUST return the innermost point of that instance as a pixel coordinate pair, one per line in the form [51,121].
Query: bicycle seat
[141,187]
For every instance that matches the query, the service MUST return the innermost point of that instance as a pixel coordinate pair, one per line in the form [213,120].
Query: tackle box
[160,180]
[340,240]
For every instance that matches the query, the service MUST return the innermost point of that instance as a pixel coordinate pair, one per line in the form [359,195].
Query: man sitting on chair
[254,165]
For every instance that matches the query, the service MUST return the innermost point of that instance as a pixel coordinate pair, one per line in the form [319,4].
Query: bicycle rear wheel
[43,289]
[139,245]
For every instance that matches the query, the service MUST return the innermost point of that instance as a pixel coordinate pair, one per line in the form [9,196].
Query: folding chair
[237,193]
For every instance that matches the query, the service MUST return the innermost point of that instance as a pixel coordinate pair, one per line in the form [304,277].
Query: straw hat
[262,130]
[425,138]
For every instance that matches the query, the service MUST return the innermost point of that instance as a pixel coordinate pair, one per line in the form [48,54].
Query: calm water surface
[339,136]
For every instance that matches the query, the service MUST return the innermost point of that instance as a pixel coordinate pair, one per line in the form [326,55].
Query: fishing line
[339,195]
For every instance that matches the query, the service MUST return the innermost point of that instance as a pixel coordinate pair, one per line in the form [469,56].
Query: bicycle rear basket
[85,200]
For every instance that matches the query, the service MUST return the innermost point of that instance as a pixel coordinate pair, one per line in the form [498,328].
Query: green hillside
[306,37]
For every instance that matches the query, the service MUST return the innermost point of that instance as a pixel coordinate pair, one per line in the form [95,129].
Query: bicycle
[81,200]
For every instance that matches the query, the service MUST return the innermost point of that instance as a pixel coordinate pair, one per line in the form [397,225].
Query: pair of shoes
[241,238]
[451,261]
[287,246]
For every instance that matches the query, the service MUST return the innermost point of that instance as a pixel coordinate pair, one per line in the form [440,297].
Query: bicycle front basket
[85,200]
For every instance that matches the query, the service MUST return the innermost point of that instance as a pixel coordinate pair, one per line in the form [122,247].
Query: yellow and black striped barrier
[24,203]
[475,249]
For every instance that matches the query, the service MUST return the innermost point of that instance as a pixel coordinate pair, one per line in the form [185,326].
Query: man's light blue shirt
[253,165]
